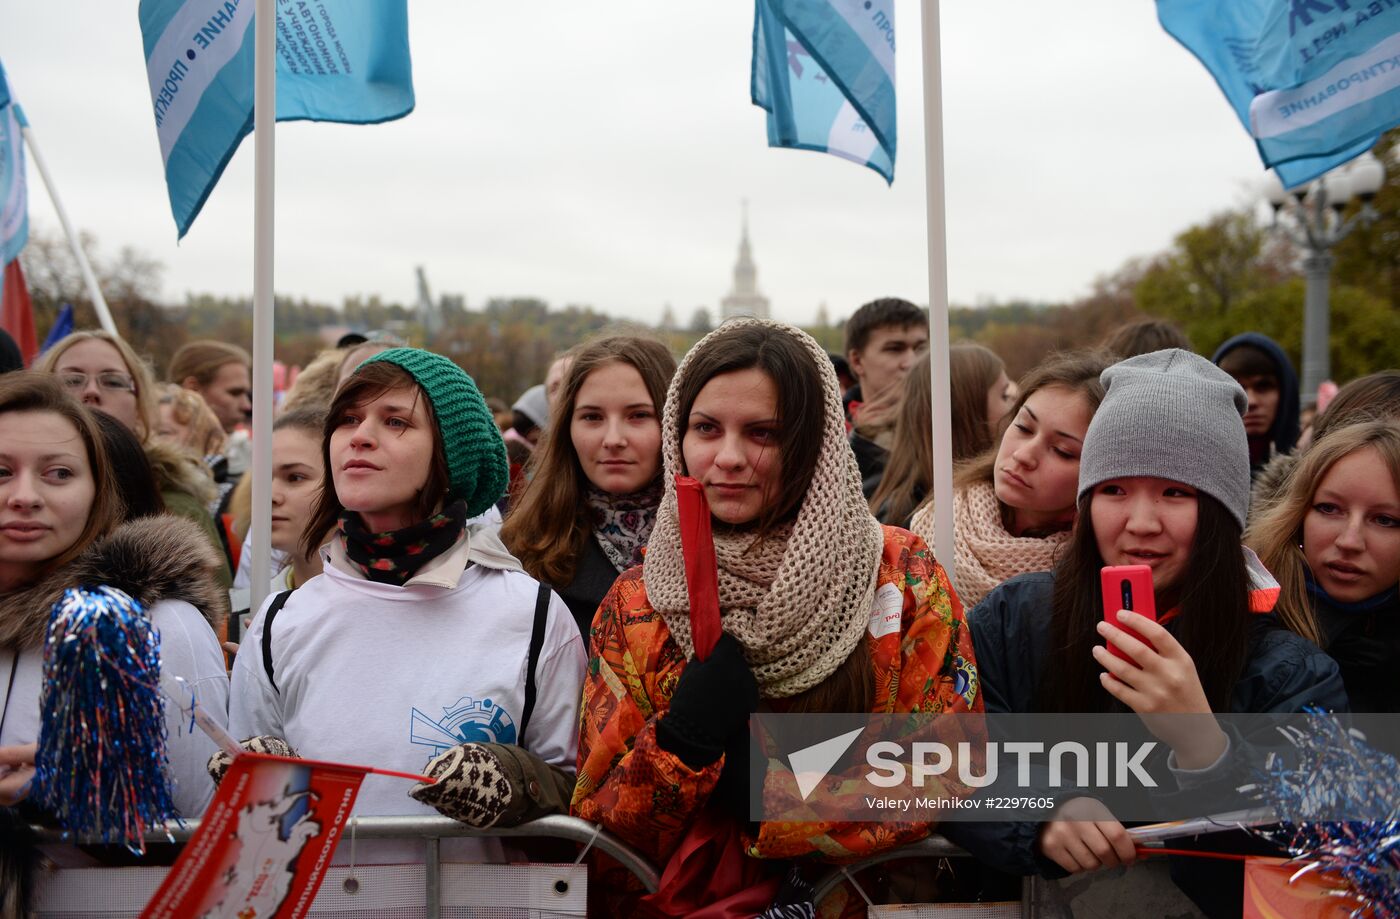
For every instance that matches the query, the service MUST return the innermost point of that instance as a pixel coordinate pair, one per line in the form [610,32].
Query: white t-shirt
[380,675]
[189,649]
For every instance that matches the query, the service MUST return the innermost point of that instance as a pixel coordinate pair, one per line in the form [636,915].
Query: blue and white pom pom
[101,765]
[1360,780]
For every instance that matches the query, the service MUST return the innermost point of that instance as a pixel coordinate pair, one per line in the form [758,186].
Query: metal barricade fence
[430,877]
[431,830]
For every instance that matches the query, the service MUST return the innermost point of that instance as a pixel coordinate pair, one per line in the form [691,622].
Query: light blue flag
[1315,82]
[337,60]
[824,72]
[14,195]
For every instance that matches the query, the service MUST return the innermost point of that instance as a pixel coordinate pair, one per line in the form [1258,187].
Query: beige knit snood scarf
[799,602]
[985,553]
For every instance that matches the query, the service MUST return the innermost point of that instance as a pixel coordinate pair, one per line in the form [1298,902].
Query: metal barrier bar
[932,847]
[556,826]
[432,877]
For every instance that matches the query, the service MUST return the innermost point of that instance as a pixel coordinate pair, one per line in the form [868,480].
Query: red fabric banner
[701,572]
[264,843]
[18,312]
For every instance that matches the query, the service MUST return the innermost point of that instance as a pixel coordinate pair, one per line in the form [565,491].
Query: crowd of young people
[546,665]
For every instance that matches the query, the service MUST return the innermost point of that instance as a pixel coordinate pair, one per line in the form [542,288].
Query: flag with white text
[1314,82]
[824,72]
[14,196]
[337,60]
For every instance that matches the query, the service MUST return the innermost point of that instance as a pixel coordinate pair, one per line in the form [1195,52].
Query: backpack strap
[532,661]
[277,603]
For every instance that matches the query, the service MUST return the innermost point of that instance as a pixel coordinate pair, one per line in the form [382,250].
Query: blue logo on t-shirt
[465,721]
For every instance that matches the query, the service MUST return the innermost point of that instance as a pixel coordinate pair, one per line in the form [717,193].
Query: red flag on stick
[18,312]
[701,572]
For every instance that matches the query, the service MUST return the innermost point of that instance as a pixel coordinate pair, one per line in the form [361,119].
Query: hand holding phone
[1127,587]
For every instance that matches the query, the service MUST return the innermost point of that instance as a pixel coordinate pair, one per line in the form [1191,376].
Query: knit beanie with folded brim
[1171,415]
[476,455]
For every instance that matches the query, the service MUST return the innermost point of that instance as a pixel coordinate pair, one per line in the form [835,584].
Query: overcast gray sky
[596,153]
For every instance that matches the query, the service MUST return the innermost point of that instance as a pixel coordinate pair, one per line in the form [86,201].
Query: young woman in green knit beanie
[410,650]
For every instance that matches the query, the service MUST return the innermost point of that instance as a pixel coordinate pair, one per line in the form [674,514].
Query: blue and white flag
[14,196]
[337,60]
[824,72]
[1315,82]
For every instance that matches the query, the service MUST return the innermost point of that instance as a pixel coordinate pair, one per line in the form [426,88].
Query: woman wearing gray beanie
[1163,482]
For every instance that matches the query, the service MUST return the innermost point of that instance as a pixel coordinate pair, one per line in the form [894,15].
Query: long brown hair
[1213,624]
[972,371]
[202,359]
[366,384]
[1374,397]
[908,475]
[1277,535]
[1077,371]
[34,391]
[549,522]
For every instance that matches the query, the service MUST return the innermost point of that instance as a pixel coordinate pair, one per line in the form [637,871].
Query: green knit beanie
[476,455]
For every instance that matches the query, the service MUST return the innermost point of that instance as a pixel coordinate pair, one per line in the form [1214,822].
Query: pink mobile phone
[1127,587]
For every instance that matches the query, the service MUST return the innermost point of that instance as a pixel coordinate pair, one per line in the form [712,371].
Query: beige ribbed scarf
[799,602]
[986,554]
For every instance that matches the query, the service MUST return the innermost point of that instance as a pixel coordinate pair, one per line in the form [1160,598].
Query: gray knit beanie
[1171,415]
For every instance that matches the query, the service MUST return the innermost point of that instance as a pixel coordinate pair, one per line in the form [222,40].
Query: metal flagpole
[938,290]
[264,120]
[99,303]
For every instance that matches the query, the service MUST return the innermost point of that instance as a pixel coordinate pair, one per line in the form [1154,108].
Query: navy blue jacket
[1011,637]
[1364,639]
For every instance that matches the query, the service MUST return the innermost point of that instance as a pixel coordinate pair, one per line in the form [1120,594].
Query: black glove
[712,702]
[264,743]
[471,787]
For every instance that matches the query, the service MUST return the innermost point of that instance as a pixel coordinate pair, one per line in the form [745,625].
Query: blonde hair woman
[1333,541]
[103,372]
[186,420]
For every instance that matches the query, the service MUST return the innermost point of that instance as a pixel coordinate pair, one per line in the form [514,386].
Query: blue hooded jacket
[1284,433]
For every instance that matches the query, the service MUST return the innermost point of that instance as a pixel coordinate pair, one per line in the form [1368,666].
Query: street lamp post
[1315,225]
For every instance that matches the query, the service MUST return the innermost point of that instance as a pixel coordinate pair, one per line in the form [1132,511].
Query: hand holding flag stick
[701,571]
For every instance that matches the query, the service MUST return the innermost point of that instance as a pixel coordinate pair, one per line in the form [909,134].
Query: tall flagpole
[938,290]
[99,303]
[264,120]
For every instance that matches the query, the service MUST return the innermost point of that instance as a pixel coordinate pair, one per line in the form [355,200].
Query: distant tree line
[1223,276]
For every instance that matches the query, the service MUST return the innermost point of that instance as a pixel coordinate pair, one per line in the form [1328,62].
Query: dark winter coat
[1283,436]
[1011,637]
[872,459]
[1364,639]
[593,578]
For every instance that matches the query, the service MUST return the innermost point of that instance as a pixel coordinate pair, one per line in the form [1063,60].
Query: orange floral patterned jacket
[649,797]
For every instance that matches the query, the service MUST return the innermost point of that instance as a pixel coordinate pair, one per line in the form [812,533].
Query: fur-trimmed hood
[178,470]
[1270,483]
[152,559]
